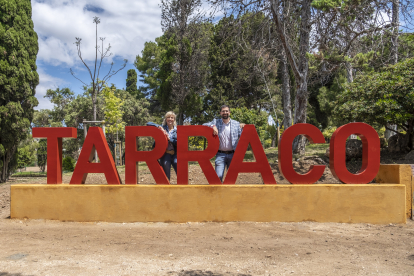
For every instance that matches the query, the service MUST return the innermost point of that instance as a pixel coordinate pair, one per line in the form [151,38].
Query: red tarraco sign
[96,139]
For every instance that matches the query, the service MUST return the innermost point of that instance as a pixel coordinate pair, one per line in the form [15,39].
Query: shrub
[68,164]
[327,133]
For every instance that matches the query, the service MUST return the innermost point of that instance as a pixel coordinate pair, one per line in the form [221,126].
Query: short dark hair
[224,106]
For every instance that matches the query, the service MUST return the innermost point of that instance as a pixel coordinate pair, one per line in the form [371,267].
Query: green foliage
[18,79]
[249,116]
[184,69]
[113,111]
[326,5]
[26,152]
[271,132]
[131,84]
[71,111]
[148,66]
[327,132]
[30,174]
[174,70]
[196,143]
[385,97]
[381,132]
[327,95]
[381,98]
[237,72]
[61,98]
[42,154]
[24,157]
[362,61]
[68,164]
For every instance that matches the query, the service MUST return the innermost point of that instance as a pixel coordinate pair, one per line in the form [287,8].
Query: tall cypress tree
[131,84]
[18,79]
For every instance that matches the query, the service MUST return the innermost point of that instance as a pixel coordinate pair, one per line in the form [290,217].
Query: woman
[169,127]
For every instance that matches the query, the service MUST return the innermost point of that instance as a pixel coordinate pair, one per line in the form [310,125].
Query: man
[229,132]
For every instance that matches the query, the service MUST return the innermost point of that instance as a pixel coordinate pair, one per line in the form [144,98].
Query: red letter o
[370,153]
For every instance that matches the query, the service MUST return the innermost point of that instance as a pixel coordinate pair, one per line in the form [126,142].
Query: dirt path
[38,247]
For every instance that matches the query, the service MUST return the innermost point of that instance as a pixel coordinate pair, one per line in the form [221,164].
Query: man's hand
[215,131]
[242,125]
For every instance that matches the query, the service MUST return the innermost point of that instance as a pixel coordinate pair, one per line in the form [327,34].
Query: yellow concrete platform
[369,203]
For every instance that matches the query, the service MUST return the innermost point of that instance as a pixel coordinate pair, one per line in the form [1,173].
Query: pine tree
[18,79]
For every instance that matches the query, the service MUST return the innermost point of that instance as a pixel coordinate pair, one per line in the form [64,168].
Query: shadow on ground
[10,274]
[203,273]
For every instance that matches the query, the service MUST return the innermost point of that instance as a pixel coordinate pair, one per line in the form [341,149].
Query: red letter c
[314,135]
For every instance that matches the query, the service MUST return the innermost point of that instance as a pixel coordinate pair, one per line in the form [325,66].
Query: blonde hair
[169,114]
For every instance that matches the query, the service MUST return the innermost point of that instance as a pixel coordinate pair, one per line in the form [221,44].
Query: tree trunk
[180,118]
[395,25]
[301,99]
[394,49]
[275,137]
[349,74]
[410,134]
[299,70]
[408,138]
[6,160]
[94,105]
[287,104]
[3,172]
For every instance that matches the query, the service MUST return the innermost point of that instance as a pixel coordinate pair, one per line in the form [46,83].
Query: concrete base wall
[150,203]
[388,202]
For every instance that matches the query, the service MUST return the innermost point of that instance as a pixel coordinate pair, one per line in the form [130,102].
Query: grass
[29,174]
[316,149]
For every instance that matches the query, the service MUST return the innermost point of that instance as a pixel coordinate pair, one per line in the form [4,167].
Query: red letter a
[249,135]
[95,139]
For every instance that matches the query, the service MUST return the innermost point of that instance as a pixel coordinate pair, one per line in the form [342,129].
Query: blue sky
[126,25]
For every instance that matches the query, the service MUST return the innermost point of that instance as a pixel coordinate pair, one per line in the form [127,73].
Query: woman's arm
[159,127]
[153,124]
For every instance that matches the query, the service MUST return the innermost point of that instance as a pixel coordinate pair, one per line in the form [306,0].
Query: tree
[18,50]
[42,118]
[131,84]
[60,97]
[113,111]
[326,27]
[241,71]
[122,109]
[249,116]
[184,68]
[149,65]
[381,98]
[42,154]
[97,83]
[26,152]
[68,164]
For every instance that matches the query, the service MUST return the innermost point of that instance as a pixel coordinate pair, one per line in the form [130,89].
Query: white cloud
[46,82]
[125,24]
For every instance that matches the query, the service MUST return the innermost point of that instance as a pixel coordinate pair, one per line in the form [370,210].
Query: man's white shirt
[225,138]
